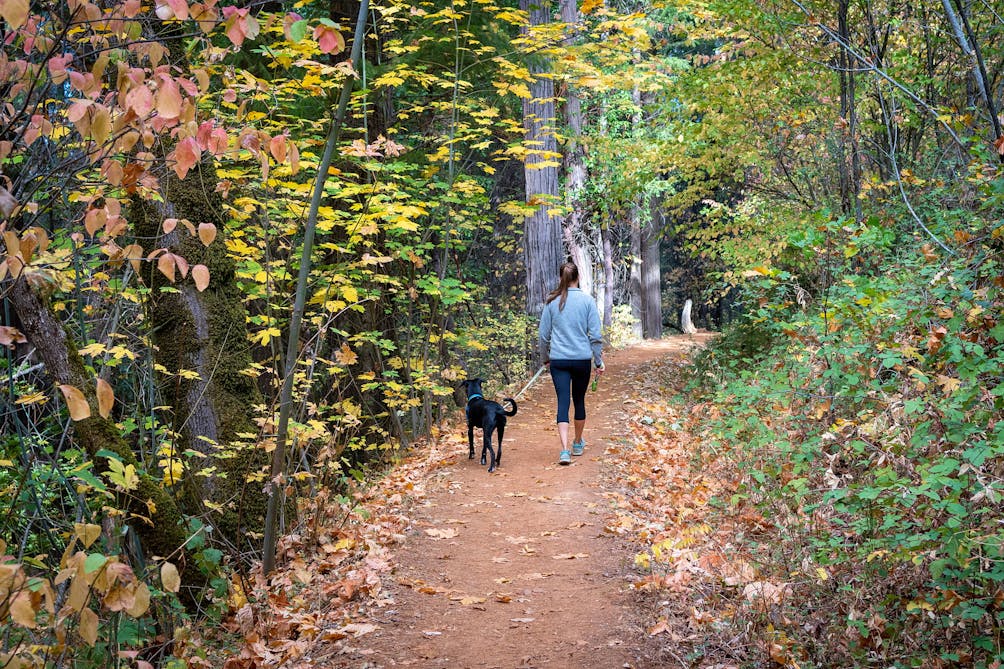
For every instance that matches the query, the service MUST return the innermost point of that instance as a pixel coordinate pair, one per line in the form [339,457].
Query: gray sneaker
[578,447]
[565,458]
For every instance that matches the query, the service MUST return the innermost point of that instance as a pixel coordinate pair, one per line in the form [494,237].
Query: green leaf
[298,30]
[93,562]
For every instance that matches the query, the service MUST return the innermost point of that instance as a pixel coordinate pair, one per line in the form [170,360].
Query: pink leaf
[328,39]
[186,154]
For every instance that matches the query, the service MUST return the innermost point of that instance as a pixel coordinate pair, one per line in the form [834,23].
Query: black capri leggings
[571,375]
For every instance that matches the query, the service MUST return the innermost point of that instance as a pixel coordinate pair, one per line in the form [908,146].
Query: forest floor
[514,569]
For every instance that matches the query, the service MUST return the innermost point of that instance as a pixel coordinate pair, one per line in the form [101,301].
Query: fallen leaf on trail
[548,533]
[503,598]
[515,494]
[570,556]
[528,550]
[500,559]
[502,580]
[359,629]
[438,534]
[522,620]
[659,627]
[517,540]
[535,576]
[432,633]
[468,600]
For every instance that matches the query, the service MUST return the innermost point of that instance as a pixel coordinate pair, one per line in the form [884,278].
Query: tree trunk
[634,277]
[152,512]
[205,332]
[574,162]
[542,236]
[608,277]
[686,324]
[651,274]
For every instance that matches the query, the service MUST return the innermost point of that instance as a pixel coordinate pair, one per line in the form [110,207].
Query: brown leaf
[169,577]
[87,532]
[166,264]
[22,609]
[75,402]
[346,356]
[106,398]
[7,203]
[207,233]
[14,12]
[200,274]
[89,627]
[10,335]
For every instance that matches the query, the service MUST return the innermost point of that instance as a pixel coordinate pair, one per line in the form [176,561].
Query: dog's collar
[474,397]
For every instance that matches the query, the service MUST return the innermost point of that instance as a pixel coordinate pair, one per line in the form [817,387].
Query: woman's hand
[599,370]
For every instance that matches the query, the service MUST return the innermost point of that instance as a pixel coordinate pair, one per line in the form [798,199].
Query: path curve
[514,569]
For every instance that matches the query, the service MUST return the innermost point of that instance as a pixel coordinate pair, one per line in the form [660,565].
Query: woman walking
[571,344]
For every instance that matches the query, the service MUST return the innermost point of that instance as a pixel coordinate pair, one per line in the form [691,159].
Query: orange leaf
[277,147]
[75,402]
[106,398]
[207,233]
[186,155]
[200,274]
[294,159]
[168,99]
[182,265]
[166,264]
[346,356]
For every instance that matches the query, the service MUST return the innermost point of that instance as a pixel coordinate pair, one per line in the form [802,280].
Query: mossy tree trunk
[163,534]
[206,332]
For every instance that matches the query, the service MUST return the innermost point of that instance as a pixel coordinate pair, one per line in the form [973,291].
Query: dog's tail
[513,403]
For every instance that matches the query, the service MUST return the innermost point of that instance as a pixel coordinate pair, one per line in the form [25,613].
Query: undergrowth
[838,468]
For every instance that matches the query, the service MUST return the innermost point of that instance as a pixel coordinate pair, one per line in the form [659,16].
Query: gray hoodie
[572,333]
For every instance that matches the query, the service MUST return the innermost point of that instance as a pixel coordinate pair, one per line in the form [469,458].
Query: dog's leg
[487,452]
[498,456]
[470,441]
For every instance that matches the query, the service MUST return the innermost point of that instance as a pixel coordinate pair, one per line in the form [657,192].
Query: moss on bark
[206,332]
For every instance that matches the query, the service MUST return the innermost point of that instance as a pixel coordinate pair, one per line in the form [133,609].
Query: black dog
[488,416]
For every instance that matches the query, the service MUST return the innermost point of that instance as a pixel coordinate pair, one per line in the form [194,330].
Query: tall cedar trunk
[542,236]
[651,273]
[164,535]
[634,278]
[574,162]
[206,332]
[608,277]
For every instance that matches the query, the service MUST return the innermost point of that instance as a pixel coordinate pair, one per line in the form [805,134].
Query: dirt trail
[514,569]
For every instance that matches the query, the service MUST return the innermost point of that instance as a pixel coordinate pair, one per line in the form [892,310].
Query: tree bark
[542,236]
[574,161]
[205,332]
[608,277]
[634,276]
[686,324]
[651,273]
[152,512]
